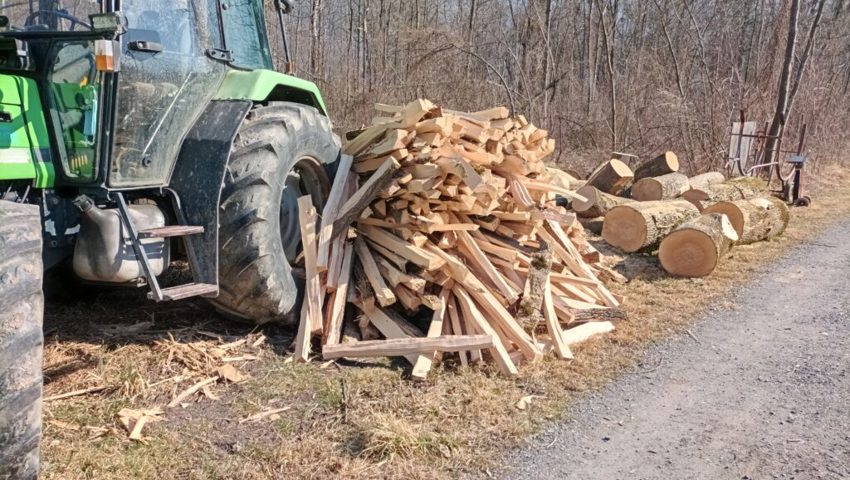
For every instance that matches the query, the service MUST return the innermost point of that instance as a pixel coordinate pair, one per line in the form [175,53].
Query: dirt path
[760,390]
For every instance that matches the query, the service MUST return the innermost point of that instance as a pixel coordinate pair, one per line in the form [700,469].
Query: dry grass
[362,420]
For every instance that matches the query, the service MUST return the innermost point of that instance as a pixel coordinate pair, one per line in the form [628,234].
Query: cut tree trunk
[663,164]
[598,202]
[640,226]
[735,189]
[695,248]
[611,177]
[755,219]
[665,187]
[706,179]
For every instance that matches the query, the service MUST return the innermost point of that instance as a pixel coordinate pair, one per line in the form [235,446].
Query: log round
[755,219]
[707,179]
[597,202]
[695,248]
[665,187]
[640,226]
[612,177]
[663,164]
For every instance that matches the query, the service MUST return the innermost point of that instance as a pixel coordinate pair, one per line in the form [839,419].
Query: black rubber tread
[255,277]
[21,340]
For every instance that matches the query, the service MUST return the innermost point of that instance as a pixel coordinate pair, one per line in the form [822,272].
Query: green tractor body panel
[268,85]
[24,140]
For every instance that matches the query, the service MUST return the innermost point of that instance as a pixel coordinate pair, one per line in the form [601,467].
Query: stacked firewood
[691,222]
[443,234]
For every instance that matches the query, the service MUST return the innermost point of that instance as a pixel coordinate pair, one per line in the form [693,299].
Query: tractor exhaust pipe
[283,8]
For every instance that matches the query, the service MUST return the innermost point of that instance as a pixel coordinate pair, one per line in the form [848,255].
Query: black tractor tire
[21,339]
[282,151]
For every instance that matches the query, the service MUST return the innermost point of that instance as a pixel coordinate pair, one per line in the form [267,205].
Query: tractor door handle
[145,46]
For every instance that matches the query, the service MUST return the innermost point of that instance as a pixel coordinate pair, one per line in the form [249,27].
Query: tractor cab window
[166,80]
[75,87]
[245,33]
[55,16]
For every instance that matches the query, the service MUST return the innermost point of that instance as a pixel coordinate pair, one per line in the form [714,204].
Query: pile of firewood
[443,234]
[691,222]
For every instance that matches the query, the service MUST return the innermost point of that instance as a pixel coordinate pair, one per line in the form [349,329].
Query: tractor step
[185,291]
[171,231]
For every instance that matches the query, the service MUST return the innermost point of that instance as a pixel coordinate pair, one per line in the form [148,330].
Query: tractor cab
[120,82]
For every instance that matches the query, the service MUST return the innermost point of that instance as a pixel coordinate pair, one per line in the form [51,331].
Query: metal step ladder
[158,293]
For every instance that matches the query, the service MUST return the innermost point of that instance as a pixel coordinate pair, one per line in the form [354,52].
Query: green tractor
[128,127]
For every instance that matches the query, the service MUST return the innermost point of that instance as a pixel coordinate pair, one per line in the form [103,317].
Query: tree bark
[316,36]
[706,180]
[734,189]
[801,66]
[640,226]
[778,124]
[665,187]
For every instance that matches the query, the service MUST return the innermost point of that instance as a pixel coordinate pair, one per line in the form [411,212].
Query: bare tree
[640,75]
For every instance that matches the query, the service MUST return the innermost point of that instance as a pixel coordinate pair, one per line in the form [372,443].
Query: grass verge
[352,420]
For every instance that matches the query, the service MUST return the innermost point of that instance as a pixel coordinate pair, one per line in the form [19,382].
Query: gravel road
[759,390]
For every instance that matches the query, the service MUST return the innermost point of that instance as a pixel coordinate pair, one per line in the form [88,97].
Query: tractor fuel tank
[104,252]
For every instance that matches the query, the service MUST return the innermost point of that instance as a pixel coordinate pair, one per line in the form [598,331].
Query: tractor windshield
[49,15]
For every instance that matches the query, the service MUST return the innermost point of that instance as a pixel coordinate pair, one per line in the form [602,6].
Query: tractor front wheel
[283,151]
[21,339]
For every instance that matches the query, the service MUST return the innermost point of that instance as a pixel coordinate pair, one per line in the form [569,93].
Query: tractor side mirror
[106,22]
[4,21]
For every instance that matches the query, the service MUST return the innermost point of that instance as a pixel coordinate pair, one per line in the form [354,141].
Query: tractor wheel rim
[307,177]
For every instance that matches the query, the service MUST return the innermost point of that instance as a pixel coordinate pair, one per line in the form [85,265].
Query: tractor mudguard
[270,86]
[197,179]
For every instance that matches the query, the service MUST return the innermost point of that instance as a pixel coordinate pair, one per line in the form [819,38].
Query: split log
[405,347]
[611,177]
[562,350]
[383,293]
[435,329]
[734,189]
[336,309]
[756,219]
[368,192]
[663,164]
[695,248]
[665,187]
[707,179]
[598,202]
[314,292]
[640,226]
[530,311]
[335,199]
